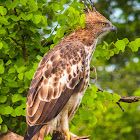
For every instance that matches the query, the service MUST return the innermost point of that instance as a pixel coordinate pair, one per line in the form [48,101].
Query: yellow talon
[68,134]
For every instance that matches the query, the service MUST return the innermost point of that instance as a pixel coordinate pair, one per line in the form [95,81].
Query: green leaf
[8,110]
[2,109]
[1,119]
[82,20]
[1,62]
[44,20]
[3,11]
[13,114]
[61,31]
[127,129]
[33,6]
[99,105]
[120,44]
[93,120]
[90,102]
[85,114]
[0,80]
[2,98]
[15,3]
[116,50]
[21,69]
[20,76]
[8,62]
[20,90]
[16,98]
[4,21]
[1,45]
[15,18]
[2,31]
[108,56]
[96,53]
[4,128]
[116,98]
[55,7]
[12,84]
[26,16]
[137,92]
[4,90]
[23,2]
[71,9]
[106,44]
[111,53]
[29,16]
[2,69]
[19,111]
[23,126]
[103,52]
[101,96]
[11,70]
[62,20]
[36,19]
[29,74]
[48,138]
[126,41]
[94,88]
[108,96]
[134,46]
[138,41]
[39,57]
[63,1]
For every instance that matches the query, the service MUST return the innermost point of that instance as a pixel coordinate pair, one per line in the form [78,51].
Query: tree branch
[10,136]
[126,99]
[62,136]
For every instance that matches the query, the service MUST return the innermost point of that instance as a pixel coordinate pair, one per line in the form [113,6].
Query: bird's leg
[65,123]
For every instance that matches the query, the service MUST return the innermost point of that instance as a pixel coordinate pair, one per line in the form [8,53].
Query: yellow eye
[103,24]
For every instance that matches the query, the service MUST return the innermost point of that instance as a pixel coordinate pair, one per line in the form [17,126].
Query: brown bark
[62,136]
[10,136]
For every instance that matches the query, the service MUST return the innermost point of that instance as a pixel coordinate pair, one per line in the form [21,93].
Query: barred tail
[36,132]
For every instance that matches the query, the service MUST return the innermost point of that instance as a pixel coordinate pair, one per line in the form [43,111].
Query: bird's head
[96,22]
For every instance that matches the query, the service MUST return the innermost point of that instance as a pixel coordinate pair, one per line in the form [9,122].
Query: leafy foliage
[23,26]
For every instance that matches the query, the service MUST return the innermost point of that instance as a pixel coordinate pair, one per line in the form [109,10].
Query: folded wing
[54,82]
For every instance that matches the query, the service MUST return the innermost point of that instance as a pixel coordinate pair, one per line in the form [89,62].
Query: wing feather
[54,82]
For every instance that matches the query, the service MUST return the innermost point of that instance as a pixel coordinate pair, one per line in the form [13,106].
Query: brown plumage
[61,79]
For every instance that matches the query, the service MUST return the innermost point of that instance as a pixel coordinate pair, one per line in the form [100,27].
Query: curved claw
[67,134]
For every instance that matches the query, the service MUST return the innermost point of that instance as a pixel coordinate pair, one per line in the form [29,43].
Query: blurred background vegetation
[29,28]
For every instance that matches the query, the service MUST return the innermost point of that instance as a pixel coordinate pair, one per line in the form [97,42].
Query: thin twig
[120,106]
[13,38]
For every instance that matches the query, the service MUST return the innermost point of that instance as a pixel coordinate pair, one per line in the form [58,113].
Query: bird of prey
[62,77]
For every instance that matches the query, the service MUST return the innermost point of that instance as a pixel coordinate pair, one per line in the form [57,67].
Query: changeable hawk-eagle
[61,79]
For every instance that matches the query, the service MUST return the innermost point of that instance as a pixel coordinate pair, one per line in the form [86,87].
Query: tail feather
[35,132]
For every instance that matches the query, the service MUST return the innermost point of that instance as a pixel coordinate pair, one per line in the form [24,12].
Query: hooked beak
[113,28]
